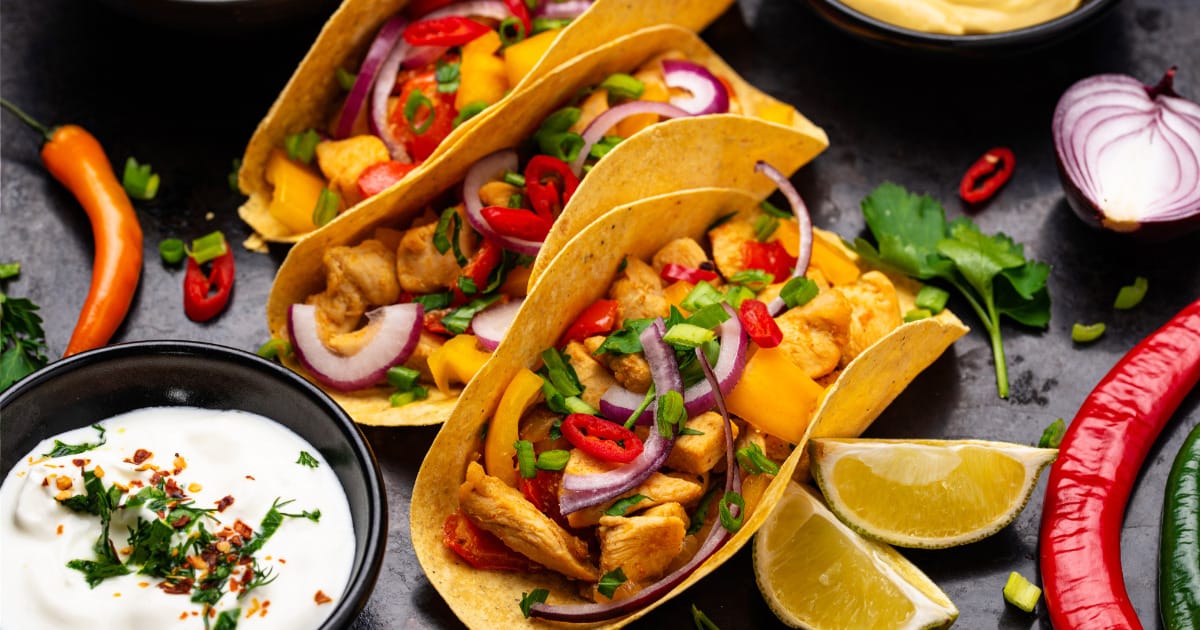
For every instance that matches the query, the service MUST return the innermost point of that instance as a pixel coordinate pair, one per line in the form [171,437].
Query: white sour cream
[224,453]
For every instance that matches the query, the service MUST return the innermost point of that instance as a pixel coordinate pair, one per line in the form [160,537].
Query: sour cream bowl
[94,386]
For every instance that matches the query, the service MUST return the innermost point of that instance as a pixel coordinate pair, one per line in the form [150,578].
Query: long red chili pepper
[204,297]
[1098,461]
[75,158]
[987,175]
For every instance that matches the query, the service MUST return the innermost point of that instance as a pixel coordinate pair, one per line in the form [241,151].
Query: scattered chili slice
[448,31]
[987,175]
[600,438]
[521,12]
[598,319]
[205,296]
[759,324]
[676,273]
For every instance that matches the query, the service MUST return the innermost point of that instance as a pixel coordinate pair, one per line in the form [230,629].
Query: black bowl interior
[92,386]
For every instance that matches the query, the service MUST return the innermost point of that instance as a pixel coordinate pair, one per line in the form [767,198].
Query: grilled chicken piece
[497,193]
[639,291]
[814,335]
[419,266]
[698,454]
[681,251]
[727,240]
[356,279]
[630,370]
[659,488]
[875,311]
[503,511]
[642,546]
[343,161]
[594,377]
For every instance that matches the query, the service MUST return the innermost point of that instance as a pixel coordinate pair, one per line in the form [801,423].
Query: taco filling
[446,286]
[654,426]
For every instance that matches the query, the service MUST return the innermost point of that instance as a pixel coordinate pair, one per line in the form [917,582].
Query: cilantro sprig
[22,340]
[990,272]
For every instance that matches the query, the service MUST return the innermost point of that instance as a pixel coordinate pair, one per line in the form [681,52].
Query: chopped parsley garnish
[609,582]
[61,449]
[22,340]
[621,507]
[458,320]
[306,459]
[536,596]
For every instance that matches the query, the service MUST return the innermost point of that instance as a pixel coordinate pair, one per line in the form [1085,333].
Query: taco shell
[580,274]
[309,99]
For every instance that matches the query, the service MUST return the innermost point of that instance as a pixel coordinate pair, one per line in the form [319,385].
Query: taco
[460,239]
[526,496]
[388,85]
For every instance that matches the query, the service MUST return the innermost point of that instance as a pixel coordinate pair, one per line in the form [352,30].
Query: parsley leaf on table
[991,272]
[22,340]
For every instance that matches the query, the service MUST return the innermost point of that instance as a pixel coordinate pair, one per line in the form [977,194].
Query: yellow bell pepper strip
[297,190]
[457,360]
[837,267]
[502,433]
[781,113]
[676,292]
[653,90]
[756,397]
[483,75]
[520,58]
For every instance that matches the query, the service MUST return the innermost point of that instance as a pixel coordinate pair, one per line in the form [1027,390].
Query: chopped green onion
[560,373]
[774,210]
[687,336]
[458,320]
[701,620]
[1083,333]
[623,264]
[798,291]
[609,582]
[575,404]
[541,25]
[171,250]
[764,227]
[1053,434]
[274,348]
[448,77]
[399,399]
[561,120]
[697,518]
[917,314]
[932,299]
[516,201]
[730,522]
[8,270]
[563,145]
[514,179]
[138,181]
[441,242]
[736,293]
[302,146]
[1131,295]
[1021,593]
[469,111]
[623,86]
[345,79]
[402,378]
[536,596]
[670,413]
[418,102]
[755,462]
[603,146]
[642,406]
[511,31]
[709,317]
[526,460]
[208,247]
[752,277]
[233,175]
[621,507]
[555,459]
[691,431]
[701,295]
[328,206]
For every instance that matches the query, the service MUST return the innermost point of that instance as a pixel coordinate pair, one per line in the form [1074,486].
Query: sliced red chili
[549,183]
[597,319]
[518,223]
[769,257]
[480,548]
[479,267]
[602,439]
[674,272]
[759,325]
[447,31]
[206,296]
[380,176]
[987,175]
[521,12]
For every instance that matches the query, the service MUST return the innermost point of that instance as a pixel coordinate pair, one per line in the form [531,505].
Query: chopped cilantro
[61,449]
[536,596]
[610,582]
[306,459]
[620,508]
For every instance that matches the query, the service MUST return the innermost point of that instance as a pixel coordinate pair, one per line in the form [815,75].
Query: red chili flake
[60,529]
[247,576]
[157,477]
[181,522]
[80,462]
[183,615]
[251,478]
[225,502]
[321,598]
[141,455]
[234,585]
[173,489]
[282,561]
[45,482]
[182,586]
[243,529]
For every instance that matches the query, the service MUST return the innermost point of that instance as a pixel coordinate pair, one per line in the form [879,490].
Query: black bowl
[91,386]
[983,45]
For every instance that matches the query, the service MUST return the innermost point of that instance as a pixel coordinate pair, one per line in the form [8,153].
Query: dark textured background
[186,102]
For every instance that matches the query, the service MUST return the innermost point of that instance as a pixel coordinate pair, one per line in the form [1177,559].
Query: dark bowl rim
[1034,34]
[362,583]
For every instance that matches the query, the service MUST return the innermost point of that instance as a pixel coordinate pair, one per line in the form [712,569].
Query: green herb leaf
[441,238]
[708,317]
[22,340]
[697,519]
[536,596]
[609,582]
[458,320]
[1053,434]
[302,146]
[61,449]
[138,181]
[434,301]
[559,371]
[754,278]
[690,431]
[626,340]
[701,620]
[622,506]
[96,571]
[228,619]
[774,210]
[932,299]
[306,459]
[701,295]
[764,226]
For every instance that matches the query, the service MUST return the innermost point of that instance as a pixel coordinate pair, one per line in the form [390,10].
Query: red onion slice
[610,117]
[568,10]
[384,42]
[708,94]
[619,402]
[804,251]
[493,322]
[485,170]
[384,82]
[1129,154]
[422,56]
[396,329]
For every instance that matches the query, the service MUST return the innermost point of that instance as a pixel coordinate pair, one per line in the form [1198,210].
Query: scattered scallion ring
[417,101]
[274,348]
[208,247]
[171,250]
[1084,333]
[623,86]
[1131,295]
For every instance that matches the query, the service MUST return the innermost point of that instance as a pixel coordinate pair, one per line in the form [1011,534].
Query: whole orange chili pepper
[75,158]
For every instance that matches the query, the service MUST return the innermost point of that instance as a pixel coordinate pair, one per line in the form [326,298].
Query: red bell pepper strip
[987,175]
[448,31]
[433,321]
[521,12]
[597,319]
[759,325]
[542,491]
[769,257]
[1098,462]
[204,297]
[676,273]
[518,223]
[600,438]
[380,176]
[549,183]
[480,548]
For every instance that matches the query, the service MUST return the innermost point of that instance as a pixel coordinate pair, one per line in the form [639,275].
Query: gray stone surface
[187,102]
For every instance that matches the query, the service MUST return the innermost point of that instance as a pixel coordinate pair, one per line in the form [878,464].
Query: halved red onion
[494,9]
[804,252]
[384,82]
[708,94]
[610,117]
[581,491]
[484,171]
[1129,155]
[619,402]
[394,333]
[384,42]
[568,10]
[493,322]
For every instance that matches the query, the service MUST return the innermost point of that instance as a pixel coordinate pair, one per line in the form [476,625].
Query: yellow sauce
[963,17]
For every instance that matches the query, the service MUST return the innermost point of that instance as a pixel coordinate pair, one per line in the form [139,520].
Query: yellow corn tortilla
[673,155]
[579,275]
[311,95]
